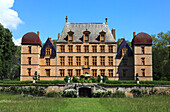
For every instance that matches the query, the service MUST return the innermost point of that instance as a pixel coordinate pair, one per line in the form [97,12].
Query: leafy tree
[118,43]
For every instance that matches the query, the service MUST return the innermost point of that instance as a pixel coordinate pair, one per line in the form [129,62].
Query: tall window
[143,61]
[94,60]
[48,72]
[78,72]
[86,48]
[78,60]
[78,48]
[70,48]
[143,50]
[110,49]
[110,60]
[62,72]
[102,48]
[70,72]
[48,61]
[124,72]
[125,62]
[70,60]
[70,37]
[29,71]
[62,60]
[102,37]
[29,49]
[94,72]
[62,48]
[102,72]
[86,37]
[94,49]
[111,73]
[143,72]
[102,60]
[124,51]
[29,60]
[86,60]
[48,51]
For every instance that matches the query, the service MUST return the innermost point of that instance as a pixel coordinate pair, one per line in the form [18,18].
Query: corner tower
[30,54]
[142,48]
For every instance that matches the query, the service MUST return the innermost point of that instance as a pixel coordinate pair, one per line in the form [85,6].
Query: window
[143,72]
[70,60]
[70,37]
[70,48]
[111,73]
[86,37]
[94,72]
[48,72]
[78,72]
[110,49]
[62,60]
[29,49]
[78,60]
[125,62]
[70,72]
[124,72]
[48,51]
[62,48]
[94,60]
[29,71]
[102,60]
[102,72]
[143,61]
[29,60]
[110,60]
[143,51]
[94,49]
[78,48]
[86,60]
[102,37]
[86,49]
[48,62]
[102,48]
[61,72]
[124,51]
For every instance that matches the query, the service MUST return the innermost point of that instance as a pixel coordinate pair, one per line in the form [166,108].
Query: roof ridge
[86,23]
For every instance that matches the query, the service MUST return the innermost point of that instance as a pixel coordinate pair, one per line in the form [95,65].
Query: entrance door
[84,92]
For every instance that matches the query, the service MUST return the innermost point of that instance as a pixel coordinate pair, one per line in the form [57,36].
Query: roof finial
[66,19]
[106,20]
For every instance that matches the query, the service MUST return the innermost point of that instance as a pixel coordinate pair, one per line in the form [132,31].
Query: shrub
[66,79]
[53,94]
[93,80]
[74,79]
[138,93]
[105,78]
[101,93]
[120,82]
[118,94]
[98,78]
[70,93]
[153,92]
[50,82]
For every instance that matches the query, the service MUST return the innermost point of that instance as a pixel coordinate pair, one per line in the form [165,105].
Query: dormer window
[124,51]
[102,36]
[48,51]
[86,36]
[70,36]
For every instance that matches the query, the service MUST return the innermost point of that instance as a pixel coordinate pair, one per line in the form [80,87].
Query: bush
[53,94]
[120,82]
[138,93]
[118,94]
[93,80]
[66,79]
[105,78]
[50,82]
[74,79]
[70,93]
[101,93]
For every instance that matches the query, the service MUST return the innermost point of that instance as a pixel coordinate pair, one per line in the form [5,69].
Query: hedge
[51,82]
[126,85]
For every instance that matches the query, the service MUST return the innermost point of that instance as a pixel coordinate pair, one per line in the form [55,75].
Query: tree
[160,54]
[7,49]
[118,43]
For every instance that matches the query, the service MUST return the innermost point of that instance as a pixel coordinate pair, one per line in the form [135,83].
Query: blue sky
[126,16]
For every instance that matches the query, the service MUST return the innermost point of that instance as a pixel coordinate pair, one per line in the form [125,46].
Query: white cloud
[8,17]
[17,41]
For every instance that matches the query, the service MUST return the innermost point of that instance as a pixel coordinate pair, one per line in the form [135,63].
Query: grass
[18,103]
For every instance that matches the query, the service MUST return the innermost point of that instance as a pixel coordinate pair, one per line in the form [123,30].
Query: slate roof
[121,46]
[48,44]
[31,38]
[79,28]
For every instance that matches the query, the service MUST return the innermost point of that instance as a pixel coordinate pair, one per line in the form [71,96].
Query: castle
[88,49]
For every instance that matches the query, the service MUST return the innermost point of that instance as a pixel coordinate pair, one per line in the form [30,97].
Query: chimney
[58,35]
[106,20]
[51,40]
[38,33]
[66,19]
[133,34]
[113,33]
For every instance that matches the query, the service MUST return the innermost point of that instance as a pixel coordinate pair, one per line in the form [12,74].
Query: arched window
[86,36]
[48,51]
[124,51]
[70,36]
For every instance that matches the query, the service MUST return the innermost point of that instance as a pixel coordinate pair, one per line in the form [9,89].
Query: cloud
[17,41]
[8,17]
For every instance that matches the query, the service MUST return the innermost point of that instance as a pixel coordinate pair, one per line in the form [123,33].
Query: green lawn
[17,103]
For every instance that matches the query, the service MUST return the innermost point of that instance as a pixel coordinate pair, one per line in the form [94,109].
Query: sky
[48,16]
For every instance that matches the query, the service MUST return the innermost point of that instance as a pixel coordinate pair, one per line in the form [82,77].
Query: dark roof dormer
[48,45]
[102,36]
[70,36]
[86,36]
